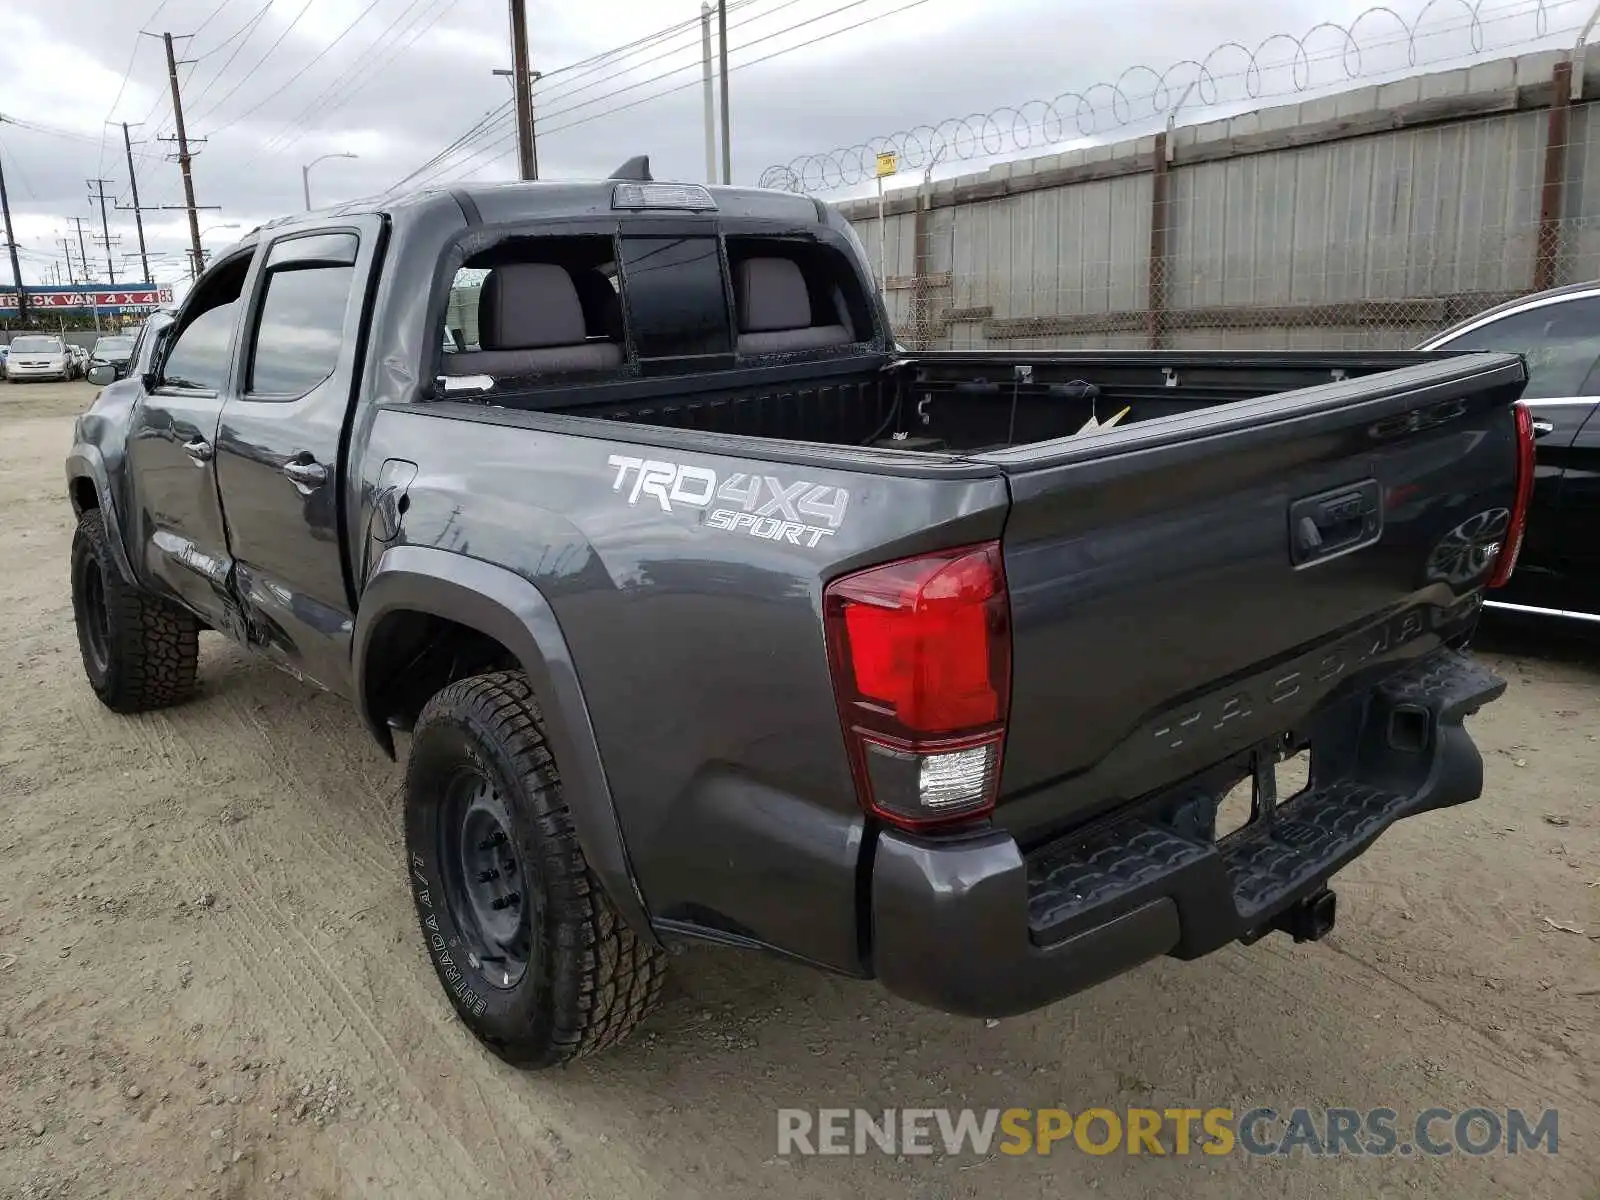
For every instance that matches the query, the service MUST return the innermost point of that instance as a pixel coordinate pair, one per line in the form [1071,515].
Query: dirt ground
[211,982]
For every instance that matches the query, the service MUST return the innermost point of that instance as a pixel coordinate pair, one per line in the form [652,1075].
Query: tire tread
[607,978]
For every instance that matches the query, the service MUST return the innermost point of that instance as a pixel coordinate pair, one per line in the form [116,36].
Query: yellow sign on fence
[888,164]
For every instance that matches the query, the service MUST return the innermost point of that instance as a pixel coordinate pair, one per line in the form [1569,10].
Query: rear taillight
[1506,560]
[921,656]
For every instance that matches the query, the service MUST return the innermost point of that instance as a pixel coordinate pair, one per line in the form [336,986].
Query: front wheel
[530,952]
[139,651]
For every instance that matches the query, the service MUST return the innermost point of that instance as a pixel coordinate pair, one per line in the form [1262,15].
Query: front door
[279,466]
[179,541]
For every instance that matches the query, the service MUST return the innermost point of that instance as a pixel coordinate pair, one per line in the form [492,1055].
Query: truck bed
[972,403]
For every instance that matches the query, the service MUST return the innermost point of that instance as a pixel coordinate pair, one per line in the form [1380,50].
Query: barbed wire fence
[1367,222]
[1328,54]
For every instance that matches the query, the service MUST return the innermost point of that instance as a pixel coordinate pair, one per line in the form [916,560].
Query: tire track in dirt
[304,996]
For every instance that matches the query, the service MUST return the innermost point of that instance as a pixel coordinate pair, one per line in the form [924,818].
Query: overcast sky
[276,83]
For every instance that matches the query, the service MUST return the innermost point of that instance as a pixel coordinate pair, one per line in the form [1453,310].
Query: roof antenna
[636,170]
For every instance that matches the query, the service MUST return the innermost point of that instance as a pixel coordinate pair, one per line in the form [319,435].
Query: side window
[203,349]
[1560,341]
[296,341]
[677,302]
[199,358]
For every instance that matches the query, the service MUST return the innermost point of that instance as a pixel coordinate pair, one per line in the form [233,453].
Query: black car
[114,351]
[1558,332]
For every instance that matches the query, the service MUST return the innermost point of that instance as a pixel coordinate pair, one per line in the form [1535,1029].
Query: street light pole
[305,173]
[722,62]
[710,93]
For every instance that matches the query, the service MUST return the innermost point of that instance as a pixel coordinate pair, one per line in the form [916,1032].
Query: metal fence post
[1551,191]
[1155,322]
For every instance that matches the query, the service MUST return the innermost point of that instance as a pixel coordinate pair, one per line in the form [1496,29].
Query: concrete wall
[1368,218]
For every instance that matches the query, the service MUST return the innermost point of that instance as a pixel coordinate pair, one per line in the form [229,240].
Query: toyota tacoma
[709,613]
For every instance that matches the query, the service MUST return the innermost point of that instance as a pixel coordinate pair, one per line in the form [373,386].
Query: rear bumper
[977,928]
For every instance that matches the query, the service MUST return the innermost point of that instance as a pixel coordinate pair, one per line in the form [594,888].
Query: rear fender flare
[85,462]
[505,606]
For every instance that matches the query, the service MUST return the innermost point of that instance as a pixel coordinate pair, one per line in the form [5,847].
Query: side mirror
[101,374]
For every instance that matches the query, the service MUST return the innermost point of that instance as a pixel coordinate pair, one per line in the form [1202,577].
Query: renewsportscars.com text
[1259,1132]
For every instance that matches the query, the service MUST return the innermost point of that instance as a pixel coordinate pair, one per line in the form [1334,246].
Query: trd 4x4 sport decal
[800,513]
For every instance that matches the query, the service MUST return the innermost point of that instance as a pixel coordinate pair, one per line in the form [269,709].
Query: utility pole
[138,217]
[83,256]
[722,54]
[11,245]
[183,154]
[66,250]
[105,230]
[527,160]
[710,93]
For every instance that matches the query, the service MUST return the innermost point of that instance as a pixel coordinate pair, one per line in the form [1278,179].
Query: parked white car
[39,356]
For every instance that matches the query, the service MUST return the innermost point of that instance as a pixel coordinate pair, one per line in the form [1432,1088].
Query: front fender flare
[84,461]
[505,606]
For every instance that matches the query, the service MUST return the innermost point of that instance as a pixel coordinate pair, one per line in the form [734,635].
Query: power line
[582,104]
[243,79]
[248,29]
[315,59]
[47,130]
[696,82]
[127,73]
[691,44]
[767,37]
[582,67]
[353,84]
[209,17]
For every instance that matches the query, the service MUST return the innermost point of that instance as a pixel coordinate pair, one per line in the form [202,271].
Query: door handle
[199,449]
[1540,428]
[305,475]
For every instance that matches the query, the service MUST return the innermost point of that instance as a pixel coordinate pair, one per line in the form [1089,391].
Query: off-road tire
[587,980]
[140,651]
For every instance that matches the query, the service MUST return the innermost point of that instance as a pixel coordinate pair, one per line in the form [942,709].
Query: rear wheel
[530,952]
[139,651]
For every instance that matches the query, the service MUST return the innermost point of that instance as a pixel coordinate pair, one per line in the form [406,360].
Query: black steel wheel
[488,895]
[530,952]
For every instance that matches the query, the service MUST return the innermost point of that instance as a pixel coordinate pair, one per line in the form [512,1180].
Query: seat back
[530,322]
[775,309]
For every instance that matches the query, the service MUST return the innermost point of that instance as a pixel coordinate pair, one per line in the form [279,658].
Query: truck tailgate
[1184,588]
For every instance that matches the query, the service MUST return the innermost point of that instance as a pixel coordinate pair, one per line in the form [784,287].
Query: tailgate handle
[1335,522]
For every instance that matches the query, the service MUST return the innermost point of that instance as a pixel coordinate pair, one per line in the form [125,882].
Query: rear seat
[775,310]
[530,322]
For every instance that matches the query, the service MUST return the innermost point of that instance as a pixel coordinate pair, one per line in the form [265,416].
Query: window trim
[279,257]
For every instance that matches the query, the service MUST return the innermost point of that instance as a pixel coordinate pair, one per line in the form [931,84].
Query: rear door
[1559,336]
[178,538]
[279,461]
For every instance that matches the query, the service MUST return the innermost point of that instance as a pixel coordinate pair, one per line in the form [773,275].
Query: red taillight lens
[1506,560]
[921,658]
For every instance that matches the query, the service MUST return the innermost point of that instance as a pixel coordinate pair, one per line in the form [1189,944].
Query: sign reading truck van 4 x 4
[757,505]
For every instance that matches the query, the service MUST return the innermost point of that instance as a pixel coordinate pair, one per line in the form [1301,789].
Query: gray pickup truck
[712,614]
